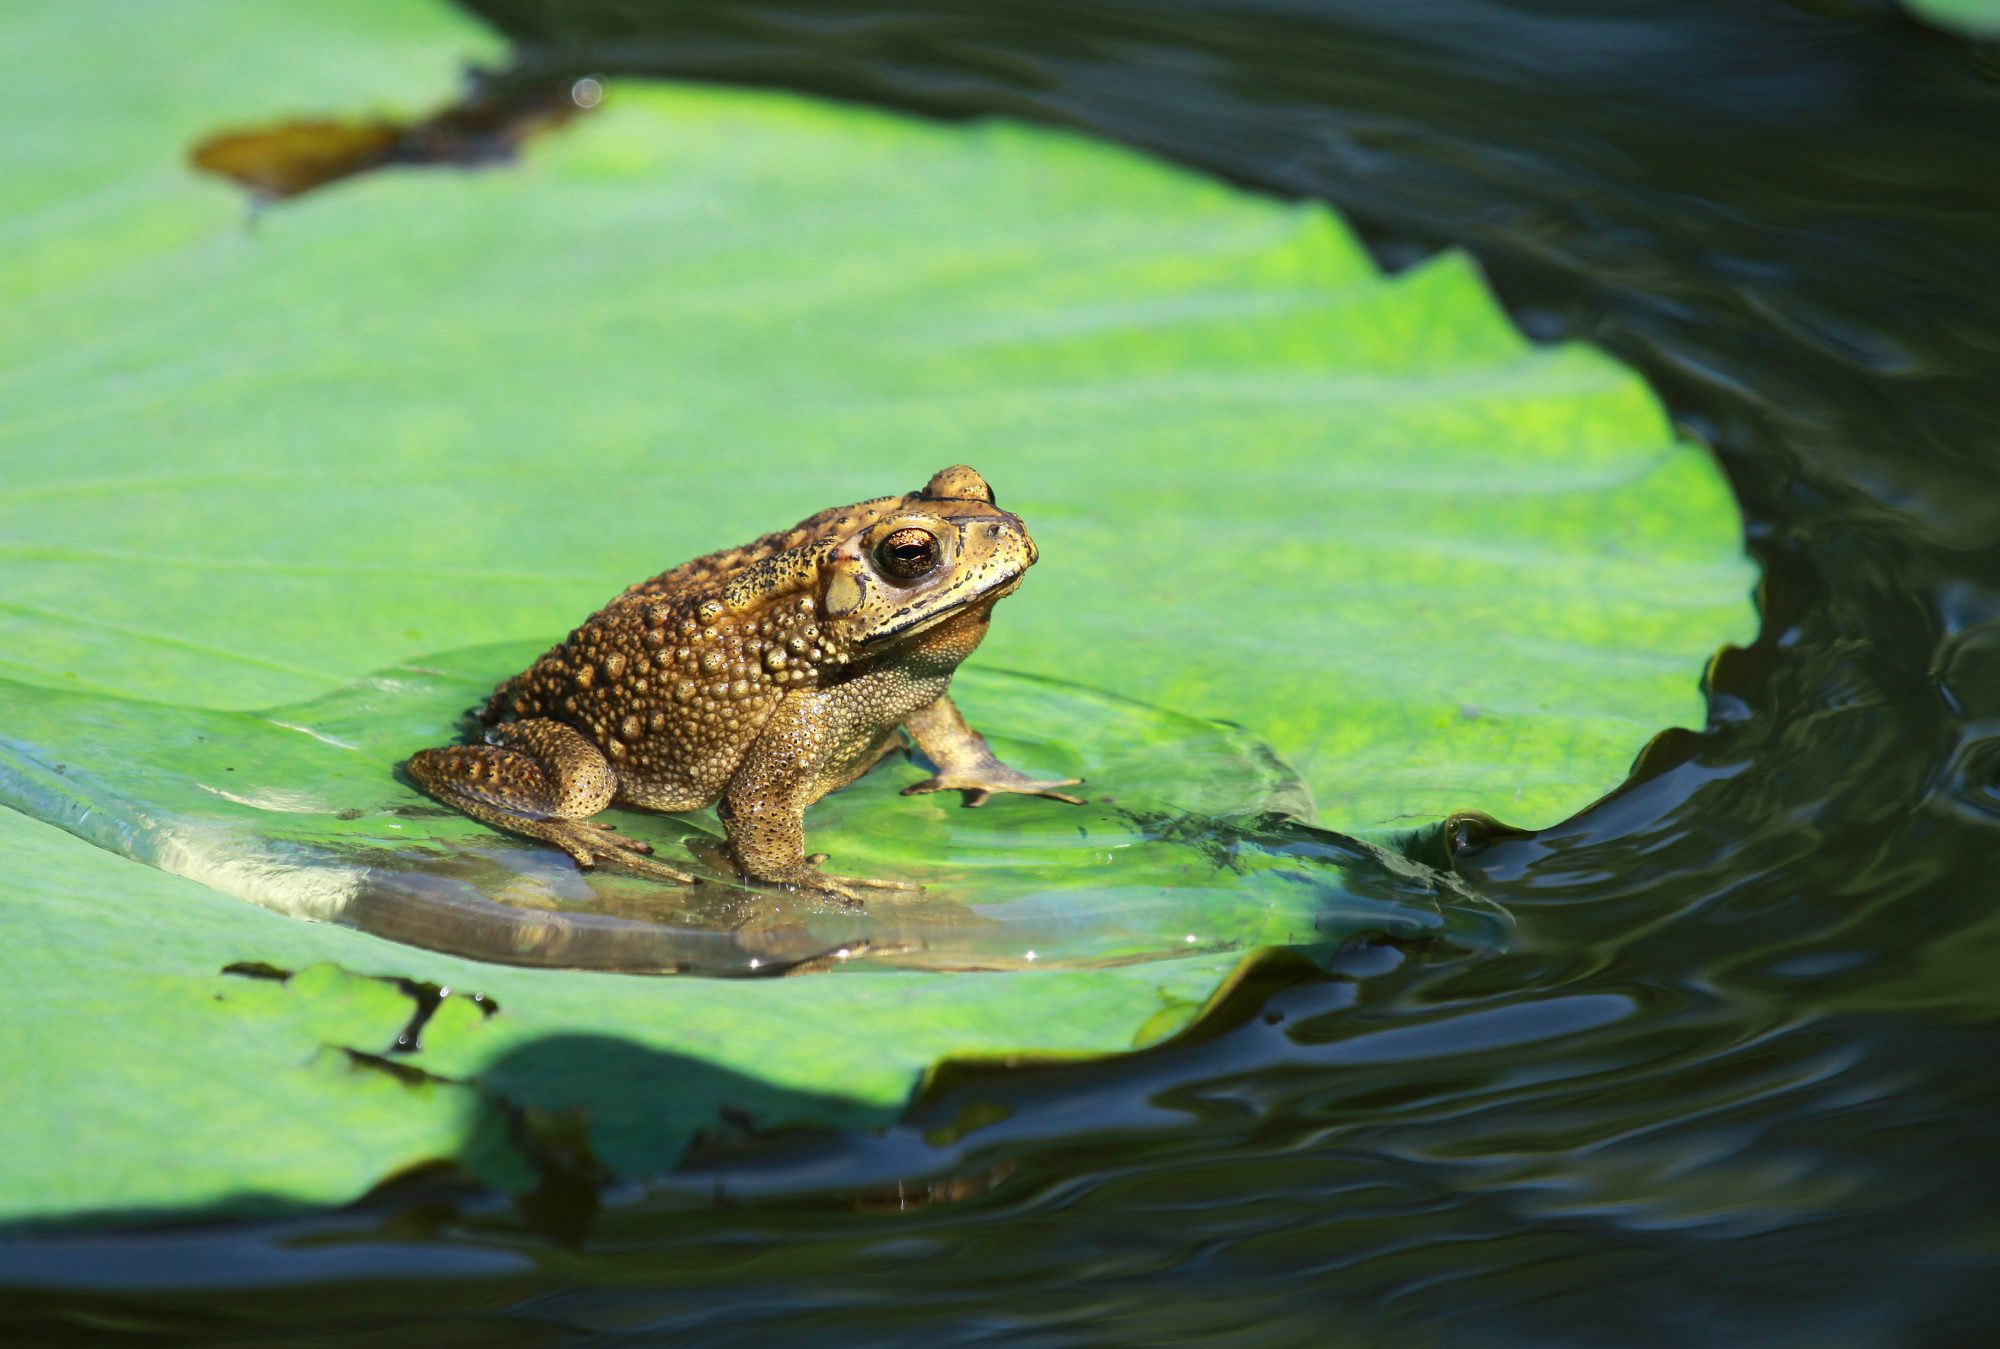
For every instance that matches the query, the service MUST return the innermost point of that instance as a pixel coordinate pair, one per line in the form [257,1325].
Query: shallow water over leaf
[1194,839]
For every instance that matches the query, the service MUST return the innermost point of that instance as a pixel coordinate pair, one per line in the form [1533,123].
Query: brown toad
[757,680]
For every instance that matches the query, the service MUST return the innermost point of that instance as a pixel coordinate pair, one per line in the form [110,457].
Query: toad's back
[676,676]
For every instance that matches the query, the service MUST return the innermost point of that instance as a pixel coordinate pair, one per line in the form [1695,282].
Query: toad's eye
[908,553]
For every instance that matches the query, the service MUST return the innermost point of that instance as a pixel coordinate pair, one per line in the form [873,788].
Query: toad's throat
[985,597]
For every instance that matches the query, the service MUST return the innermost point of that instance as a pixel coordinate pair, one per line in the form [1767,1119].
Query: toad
[757,680]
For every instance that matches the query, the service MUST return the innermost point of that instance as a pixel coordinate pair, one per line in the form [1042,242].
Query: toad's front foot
[982,783]
[966,763]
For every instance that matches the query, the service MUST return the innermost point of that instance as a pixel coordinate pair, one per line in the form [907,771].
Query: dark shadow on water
[601,1133]
[566,1115]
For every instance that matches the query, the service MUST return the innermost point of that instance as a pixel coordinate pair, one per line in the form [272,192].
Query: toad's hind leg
[541,779]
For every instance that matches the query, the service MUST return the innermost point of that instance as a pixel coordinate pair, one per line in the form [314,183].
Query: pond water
[1728,1082]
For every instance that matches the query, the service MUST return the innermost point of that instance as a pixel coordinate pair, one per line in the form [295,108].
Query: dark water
[1730,1083]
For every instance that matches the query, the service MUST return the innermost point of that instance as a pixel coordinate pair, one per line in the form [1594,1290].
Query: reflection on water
[1727,1083]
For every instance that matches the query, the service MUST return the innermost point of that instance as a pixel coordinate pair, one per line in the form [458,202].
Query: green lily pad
[252,459]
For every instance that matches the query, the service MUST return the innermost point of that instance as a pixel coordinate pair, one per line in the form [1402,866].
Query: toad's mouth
[986,597]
